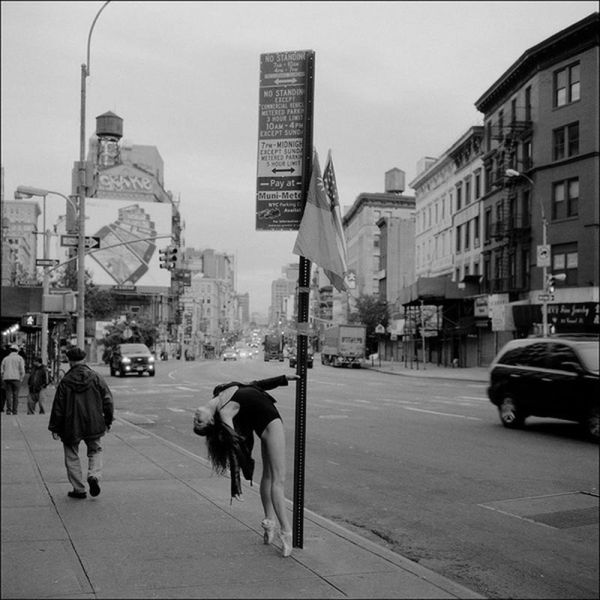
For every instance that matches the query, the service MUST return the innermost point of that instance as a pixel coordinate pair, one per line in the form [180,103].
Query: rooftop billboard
[131,234]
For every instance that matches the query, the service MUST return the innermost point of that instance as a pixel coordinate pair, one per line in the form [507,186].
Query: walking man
[82,410]
[13,371]
[38,380]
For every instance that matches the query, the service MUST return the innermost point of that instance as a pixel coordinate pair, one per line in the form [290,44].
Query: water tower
[109,130]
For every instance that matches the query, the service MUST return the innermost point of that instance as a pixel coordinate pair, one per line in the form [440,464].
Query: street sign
[46,262]
[546,297]
[283,111]
[72,241]
[543,255]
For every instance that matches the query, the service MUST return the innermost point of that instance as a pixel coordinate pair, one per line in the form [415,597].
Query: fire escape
[510,228]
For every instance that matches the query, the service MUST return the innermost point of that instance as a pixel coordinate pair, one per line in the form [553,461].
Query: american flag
[330,184]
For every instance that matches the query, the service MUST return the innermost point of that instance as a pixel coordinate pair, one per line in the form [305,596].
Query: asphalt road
[422,467]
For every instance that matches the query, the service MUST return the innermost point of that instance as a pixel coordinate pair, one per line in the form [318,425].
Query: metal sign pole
[300,430]
[303,327]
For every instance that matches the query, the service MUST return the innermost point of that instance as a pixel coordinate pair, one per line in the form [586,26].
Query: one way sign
[73,240]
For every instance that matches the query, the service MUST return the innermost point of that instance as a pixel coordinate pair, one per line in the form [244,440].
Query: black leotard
[257,408]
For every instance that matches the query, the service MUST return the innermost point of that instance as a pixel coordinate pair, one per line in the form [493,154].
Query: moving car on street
[230,354]
[130,359]
[548,377]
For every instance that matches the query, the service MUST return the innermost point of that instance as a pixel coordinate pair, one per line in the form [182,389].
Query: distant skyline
[394,82]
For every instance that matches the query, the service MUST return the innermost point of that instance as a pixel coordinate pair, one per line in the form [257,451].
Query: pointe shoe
[269,531]
[286,543]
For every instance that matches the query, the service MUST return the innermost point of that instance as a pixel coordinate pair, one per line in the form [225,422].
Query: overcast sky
[394,81]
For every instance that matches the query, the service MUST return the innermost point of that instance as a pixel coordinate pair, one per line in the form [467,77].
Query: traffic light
[162,258]
[552,279]
[172,257]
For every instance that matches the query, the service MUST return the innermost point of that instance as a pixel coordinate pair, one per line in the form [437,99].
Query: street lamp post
[544,246]
[81,185]
[29,192]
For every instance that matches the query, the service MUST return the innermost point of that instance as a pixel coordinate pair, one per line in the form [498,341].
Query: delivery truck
[273,347]
[344,346]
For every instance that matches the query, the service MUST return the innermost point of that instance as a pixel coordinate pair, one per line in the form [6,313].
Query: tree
[370,311]
[99,304]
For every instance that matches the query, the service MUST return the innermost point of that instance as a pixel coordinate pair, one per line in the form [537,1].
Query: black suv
[548,377]
[131,358]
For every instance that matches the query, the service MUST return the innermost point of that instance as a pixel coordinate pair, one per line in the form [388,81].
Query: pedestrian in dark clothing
[4,352]
[229,422]
[38,380]
[82,410]
[12,369]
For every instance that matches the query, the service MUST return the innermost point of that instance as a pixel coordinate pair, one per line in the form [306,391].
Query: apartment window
[459,196]
[488,136]
[566,85]
[476,231]
[525,267]
[500,123]
[467,228]
[528,103]
[565,260]
[527,155]
[488,178]
[565,199]
[477,189]
[488,225]
[458,238]
[526,208]
[565,141]
[467,191]
[513,110]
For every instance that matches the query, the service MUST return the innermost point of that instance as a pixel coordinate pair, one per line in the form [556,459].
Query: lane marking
[433,412]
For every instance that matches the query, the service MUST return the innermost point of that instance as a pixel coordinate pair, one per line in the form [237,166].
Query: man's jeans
[35,398]
[12,395]
[73,464]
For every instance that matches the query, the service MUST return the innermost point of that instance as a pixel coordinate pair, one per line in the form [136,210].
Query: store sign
[580,314]
[481,308]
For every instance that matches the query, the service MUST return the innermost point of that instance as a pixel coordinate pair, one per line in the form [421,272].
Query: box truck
[344,346]
[273,347]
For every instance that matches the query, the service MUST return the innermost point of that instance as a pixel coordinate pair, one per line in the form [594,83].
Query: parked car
[229,354]
[309,359]
[132,358]
[548,377]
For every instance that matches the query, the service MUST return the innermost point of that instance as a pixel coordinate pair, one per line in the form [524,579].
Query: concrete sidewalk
[163,527]
[429,370]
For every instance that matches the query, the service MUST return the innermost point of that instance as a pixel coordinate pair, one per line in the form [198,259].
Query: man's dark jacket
[83,406]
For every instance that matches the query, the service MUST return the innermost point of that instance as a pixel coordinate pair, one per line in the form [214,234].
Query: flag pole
[302,325]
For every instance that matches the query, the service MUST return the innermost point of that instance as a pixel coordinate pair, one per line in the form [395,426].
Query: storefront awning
[437,290]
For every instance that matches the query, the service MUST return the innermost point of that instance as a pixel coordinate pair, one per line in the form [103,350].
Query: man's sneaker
[94,487]
[79,495]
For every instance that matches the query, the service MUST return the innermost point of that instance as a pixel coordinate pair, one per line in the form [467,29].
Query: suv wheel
[591,423]
[510,415]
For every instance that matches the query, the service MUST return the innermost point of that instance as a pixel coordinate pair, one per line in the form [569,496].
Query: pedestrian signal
[31,320]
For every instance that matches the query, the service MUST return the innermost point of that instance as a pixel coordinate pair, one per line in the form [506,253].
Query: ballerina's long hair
[222,441]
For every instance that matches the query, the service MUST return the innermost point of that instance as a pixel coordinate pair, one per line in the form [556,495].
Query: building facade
[362,233]
[541,164]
